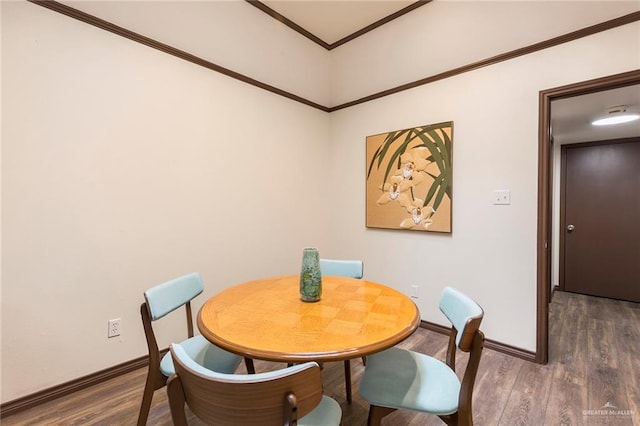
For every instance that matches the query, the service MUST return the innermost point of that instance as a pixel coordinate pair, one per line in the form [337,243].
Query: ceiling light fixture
[616,115]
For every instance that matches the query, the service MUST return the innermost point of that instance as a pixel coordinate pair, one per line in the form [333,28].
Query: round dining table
[265,319]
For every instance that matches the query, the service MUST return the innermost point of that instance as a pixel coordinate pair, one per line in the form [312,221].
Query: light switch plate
[502,197]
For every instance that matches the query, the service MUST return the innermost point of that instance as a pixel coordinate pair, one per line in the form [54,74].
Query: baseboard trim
[488,343]
[30,401]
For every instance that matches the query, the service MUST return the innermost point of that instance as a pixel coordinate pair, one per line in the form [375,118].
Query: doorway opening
[545,204]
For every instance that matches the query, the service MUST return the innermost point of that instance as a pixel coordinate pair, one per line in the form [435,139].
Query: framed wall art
[409,179]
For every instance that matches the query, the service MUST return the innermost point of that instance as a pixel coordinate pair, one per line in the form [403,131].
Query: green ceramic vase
[310,277]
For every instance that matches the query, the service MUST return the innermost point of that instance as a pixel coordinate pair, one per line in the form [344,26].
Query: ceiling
[334,20]
[571,118]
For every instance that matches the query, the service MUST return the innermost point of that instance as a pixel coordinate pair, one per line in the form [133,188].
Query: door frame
[545,167]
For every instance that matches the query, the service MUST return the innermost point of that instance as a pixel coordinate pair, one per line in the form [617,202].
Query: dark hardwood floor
[592,378]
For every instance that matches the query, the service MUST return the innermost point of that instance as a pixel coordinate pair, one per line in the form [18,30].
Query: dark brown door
[601,219]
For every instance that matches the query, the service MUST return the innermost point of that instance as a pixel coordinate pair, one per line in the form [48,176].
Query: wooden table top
[265,319]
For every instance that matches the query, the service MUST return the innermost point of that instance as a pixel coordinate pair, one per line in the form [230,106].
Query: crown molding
[330,46]
[139,38]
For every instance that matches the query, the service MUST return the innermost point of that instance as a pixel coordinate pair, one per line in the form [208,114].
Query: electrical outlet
[414,291]
[114,328]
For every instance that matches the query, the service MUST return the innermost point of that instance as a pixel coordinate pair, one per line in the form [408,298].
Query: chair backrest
[161,300]
[343,268]
[273,398]
[169,296]
[464,314]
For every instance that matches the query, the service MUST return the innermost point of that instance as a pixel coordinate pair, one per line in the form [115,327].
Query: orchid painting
[409,178]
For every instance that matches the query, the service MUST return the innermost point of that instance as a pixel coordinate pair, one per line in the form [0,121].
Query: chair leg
[147,397]
[155,380]
[364,361]
[376,414]
[455,420]
[176,401]
[248,362]
[347,379]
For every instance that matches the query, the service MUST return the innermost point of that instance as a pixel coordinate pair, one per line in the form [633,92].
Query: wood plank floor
[592,378]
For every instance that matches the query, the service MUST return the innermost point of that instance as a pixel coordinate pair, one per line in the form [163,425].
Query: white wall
[229,33]
[123,167]
[555,216]
[1,116]
[446,34]
[491,253]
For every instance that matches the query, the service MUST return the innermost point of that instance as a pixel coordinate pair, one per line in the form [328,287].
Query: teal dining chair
[342,268]
[351,269]
[288,396]
[160,301]
[402,379]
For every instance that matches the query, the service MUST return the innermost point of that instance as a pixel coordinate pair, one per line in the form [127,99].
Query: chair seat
[399,378]
[327,413]
[205,354]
